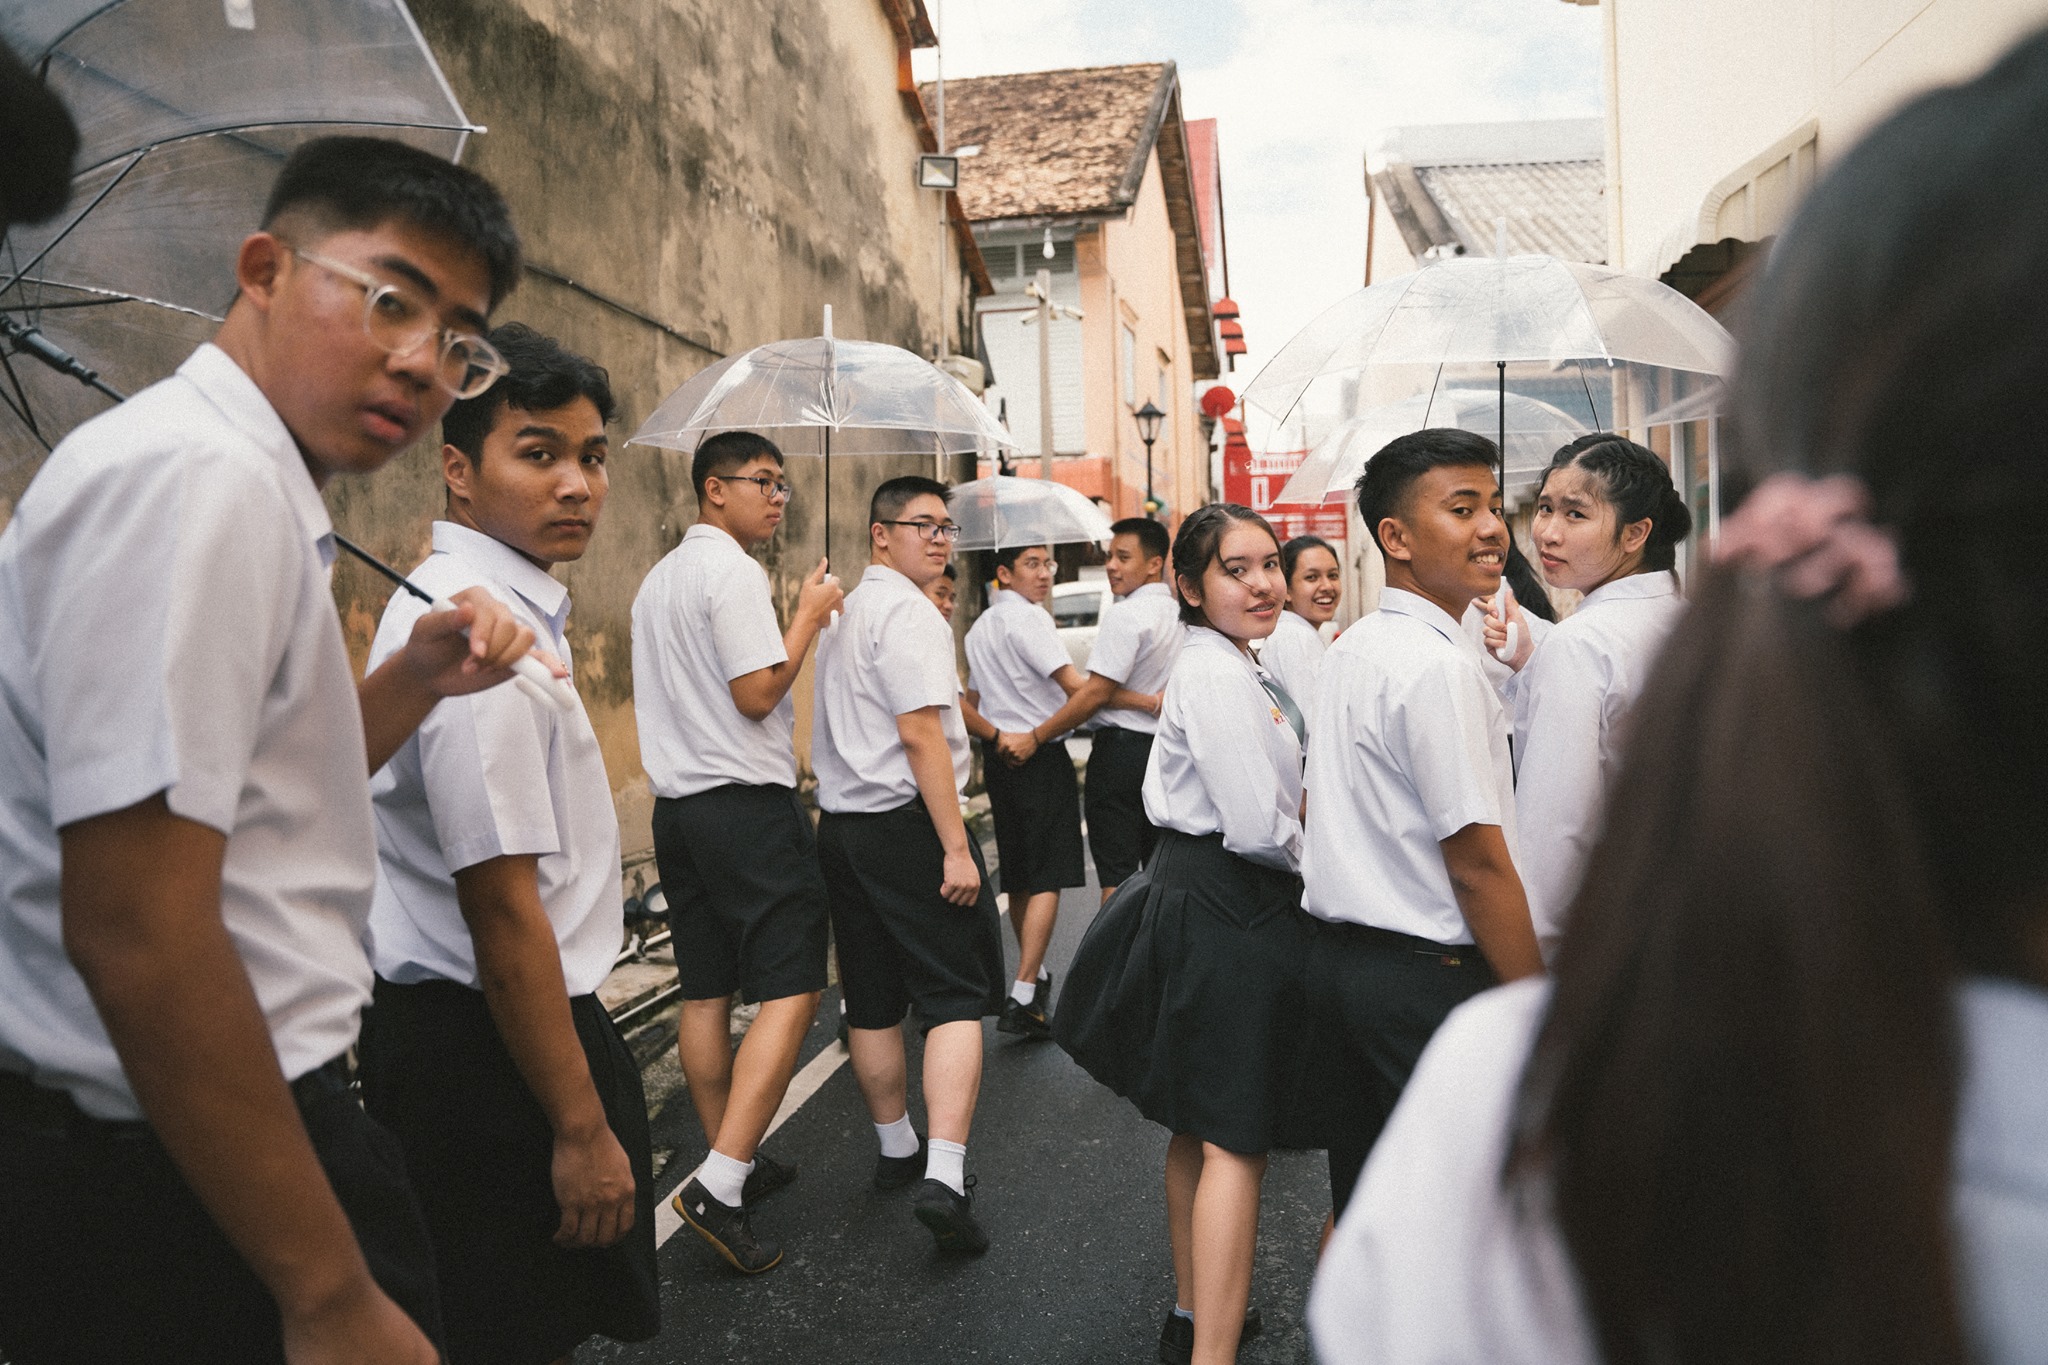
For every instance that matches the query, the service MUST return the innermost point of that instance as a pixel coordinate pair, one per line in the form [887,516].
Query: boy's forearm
[1490,896]
[931,764]
[393,706]
[1080,707]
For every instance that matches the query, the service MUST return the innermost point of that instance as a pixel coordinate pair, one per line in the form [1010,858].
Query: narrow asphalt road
[1069,1191]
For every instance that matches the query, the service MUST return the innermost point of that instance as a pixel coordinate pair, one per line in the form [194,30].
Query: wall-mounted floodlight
[938,172]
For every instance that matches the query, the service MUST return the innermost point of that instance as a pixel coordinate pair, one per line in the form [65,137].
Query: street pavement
[1070,1193]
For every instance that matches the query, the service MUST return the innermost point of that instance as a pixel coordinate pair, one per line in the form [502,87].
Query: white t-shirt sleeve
[156,662]
[744,634]
[1117,645]
[1442,742]
[914,658]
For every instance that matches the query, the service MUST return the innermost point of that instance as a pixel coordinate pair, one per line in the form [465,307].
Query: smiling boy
[187,855]
[1411,794]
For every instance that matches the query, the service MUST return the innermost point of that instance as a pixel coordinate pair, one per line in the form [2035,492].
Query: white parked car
[1076,611]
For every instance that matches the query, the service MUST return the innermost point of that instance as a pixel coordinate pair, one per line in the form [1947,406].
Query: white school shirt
[166,627]
[702,618]
[890,654]
[1136,645]
[491,774]
[1293,655]
[1013,649]
[1569,701]
[1408,745]
[1434,1265]
[1225,760]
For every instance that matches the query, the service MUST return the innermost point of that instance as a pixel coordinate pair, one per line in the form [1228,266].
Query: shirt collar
[1636,587]
[887,577]
[235,396]
[1009,597]
[1148,590]
[700,530]
[1404,603]
[494,557]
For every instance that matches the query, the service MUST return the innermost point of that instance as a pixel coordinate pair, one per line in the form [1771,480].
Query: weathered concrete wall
[725,171]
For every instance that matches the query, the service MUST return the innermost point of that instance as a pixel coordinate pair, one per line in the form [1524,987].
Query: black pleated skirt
[1185,996]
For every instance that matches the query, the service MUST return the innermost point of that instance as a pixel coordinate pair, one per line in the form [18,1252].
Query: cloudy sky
[1301,89]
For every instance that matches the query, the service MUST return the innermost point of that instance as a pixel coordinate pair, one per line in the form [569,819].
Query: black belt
[1407,943]
[26,1104]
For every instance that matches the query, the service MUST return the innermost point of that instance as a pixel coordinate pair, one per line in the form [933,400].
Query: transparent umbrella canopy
[998,512]
[185,110]
[1587,340]
[1533,432]
[823,396]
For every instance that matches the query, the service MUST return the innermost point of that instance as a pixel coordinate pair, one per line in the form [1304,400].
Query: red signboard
[1255,479]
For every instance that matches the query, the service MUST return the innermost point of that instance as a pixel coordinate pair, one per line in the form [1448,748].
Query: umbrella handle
[529,674]
[1504,599]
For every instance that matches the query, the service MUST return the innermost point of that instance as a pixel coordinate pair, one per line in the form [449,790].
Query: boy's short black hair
[544,376]
[1383,487]
[340,184]
[898,493]
[1152,537]
[1007,557]
[728,453]
[950,572]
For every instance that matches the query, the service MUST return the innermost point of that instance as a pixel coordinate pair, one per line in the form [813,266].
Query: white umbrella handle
[1502,601]
[529,674]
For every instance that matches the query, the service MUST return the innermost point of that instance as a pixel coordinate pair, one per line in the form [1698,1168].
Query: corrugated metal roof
[1555,208]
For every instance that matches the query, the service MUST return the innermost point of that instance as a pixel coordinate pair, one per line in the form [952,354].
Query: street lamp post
[1148,419]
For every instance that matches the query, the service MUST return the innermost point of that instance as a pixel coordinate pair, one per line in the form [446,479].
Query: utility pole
[1044,374]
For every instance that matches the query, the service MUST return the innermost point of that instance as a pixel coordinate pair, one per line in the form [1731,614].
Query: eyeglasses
[771,489]
[399,322]
[932,531]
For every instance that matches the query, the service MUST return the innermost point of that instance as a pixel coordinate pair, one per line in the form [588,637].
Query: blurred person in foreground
[1786,1099]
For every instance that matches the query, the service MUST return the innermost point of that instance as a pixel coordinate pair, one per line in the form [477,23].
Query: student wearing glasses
[187,851]
[912,915]
[712,672]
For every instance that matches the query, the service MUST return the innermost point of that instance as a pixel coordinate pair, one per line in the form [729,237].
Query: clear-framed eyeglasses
[399,322]
[932,531]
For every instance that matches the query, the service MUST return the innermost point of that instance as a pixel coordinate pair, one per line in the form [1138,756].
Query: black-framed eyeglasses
[771,489]
[933,531]
[399,322]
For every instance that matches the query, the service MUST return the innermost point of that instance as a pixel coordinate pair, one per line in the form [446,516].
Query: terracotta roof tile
[1053,143]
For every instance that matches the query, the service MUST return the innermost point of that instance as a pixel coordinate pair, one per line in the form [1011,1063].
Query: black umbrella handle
[30,341]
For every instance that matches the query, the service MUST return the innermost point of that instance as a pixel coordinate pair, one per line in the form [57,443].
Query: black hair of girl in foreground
[1744,1094]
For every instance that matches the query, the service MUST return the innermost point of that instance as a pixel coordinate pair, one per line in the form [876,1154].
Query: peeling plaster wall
[727,170]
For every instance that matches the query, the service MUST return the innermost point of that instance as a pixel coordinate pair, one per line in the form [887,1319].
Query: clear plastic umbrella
[1533,432]
[823,396]
[996,513]
[1590,341]
[185,110]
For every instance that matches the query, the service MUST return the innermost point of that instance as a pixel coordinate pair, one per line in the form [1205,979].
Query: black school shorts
[747,910]
[1037,811]
[901,945]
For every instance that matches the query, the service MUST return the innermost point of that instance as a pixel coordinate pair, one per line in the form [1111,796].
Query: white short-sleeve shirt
[1569,701]
[1293,656]
[487,775]
[1136,645]
[1436,1264]
[890,654]
[1013,649]
[1408,744]
[1225,761]
[702,618]
[166,626]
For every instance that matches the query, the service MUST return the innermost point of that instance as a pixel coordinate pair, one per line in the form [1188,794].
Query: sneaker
[768,1176]
[1027,1021]
[950,1217]
[1041,995]
[726,1229]
[1177,1337]
[895,1172]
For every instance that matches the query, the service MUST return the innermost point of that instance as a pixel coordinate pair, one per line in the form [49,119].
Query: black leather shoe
[725,1229]
[1026,1021]
[1177,1337]
[895,1172]
[950,1217]
[768,1176]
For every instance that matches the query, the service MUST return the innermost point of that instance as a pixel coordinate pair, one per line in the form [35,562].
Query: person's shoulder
[166,433]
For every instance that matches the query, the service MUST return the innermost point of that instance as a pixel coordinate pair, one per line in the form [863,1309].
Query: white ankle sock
[724,1179]
[899,1139]
[1022,991]
[1181,1312]
[946,1162]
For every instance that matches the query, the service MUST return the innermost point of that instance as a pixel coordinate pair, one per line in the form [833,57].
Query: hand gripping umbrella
[1530,432]
[1589,341]
[185,110]
[823,396]
[999,512]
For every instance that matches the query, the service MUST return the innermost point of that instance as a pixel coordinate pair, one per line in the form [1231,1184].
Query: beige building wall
[1386,251]
[710,176]
[1705,100]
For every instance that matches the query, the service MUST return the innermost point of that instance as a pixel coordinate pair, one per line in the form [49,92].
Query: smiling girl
[1293,655]
[1608,524]
[1184,993]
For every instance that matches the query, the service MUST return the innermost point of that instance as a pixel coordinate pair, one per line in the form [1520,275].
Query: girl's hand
[1497,631]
